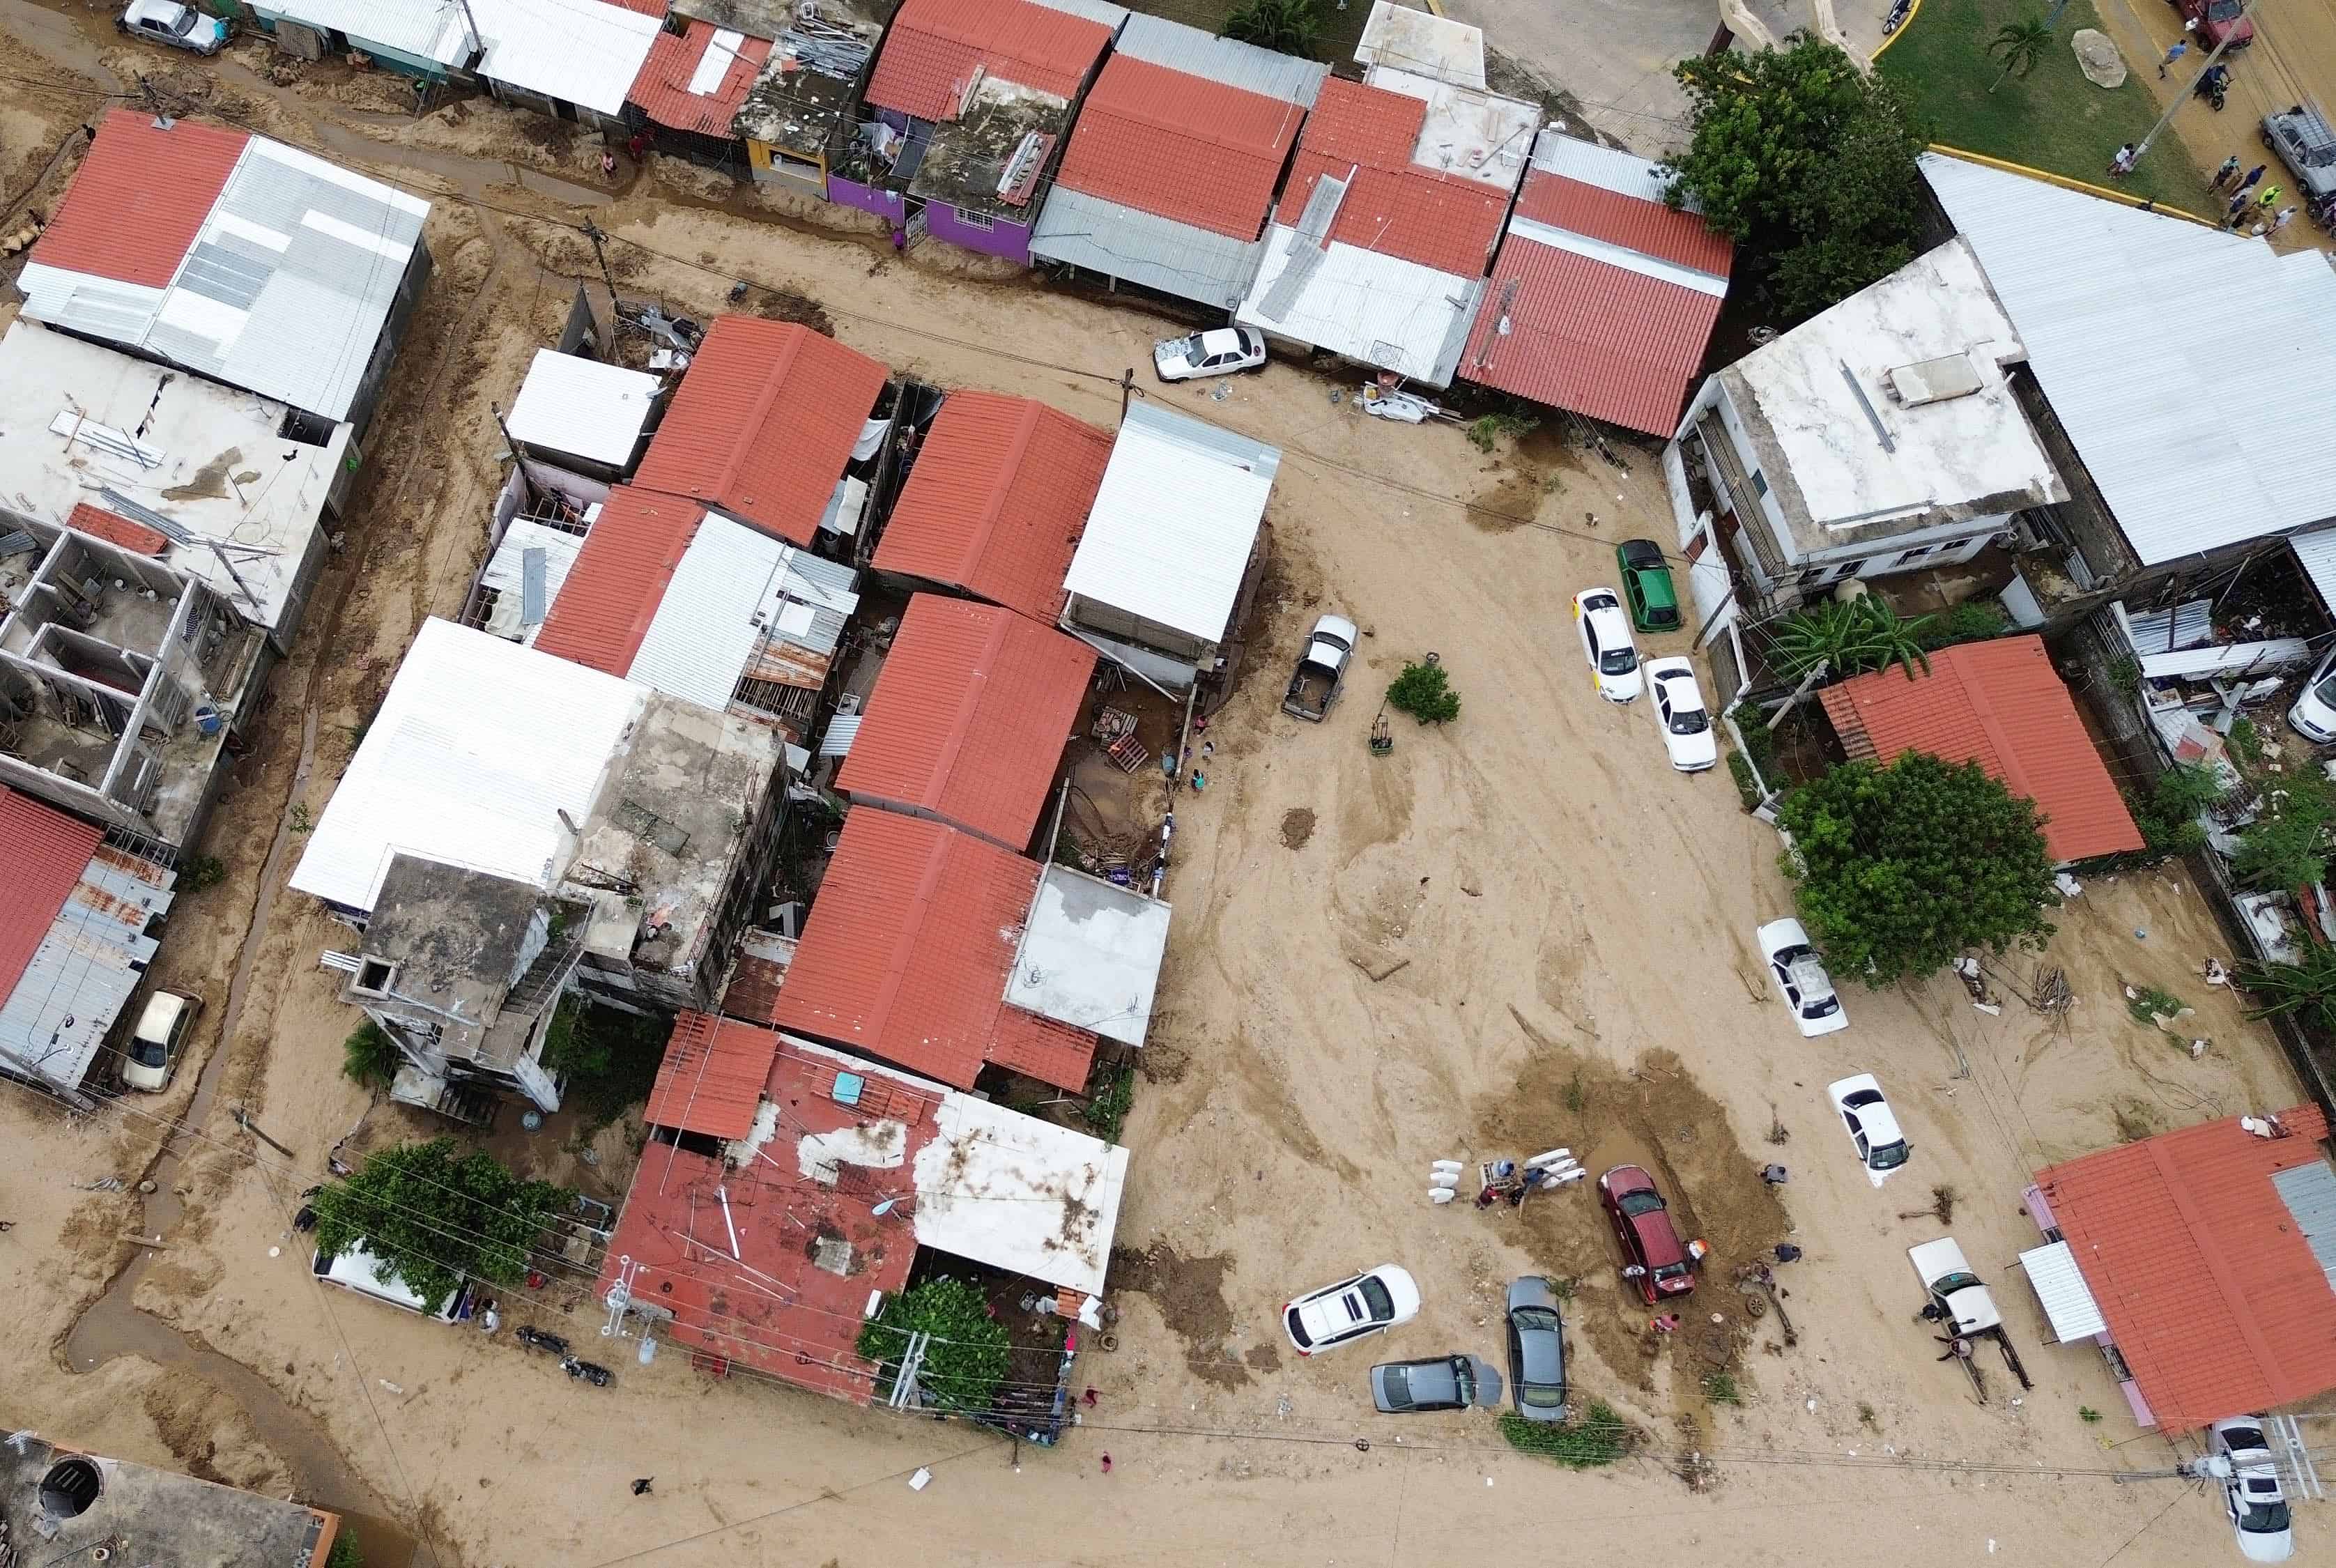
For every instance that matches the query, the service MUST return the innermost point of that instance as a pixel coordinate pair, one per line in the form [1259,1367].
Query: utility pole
[615,306]
[2192,85]
[1126,390]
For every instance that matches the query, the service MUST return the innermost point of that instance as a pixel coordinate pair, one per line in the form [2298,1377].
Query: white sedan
[1872,1126]
[1220,351]
[1606,643]
[1801,976]
[1369,1304]
[2252,1493]
[1679,714]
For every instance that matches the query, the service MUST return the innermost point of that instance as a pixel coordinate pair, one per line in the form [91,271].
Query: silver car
[1536,1350]
[1441,1383]
[168,21]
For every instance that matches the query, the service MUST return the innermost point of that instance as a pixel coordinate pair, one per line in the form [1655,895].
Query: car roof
[1219,340]
[162,1011]
[1842,1088]
[1607,612]
[1808,972]
[1640,553]
[1936,1260]
[1881,1122]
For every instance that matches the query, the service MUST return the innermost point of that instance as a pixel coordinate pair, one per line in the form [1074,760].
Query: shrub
[1741,771]
[1485,431]
[2244,743]
[2286,847]
[2088,1415]
[370,1057]
[1599,1438]
[2149,1004]
[2168,815]
[608,1058]
[345,1552]
[1974,620]
[201,871]
[1107,1111]
[1289,27]
[965,1359]
[1425,692]
[1720,1389]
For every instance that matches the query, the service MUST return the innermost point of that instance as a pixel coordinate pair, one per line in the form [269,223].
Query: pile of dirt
[211,1435]
[1190,1293]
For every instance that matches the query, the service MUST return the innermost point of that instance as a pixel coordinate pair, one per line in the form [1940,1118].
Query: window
[981,221]
[1918,553]
[790,164]
[1759,482]
[374,977]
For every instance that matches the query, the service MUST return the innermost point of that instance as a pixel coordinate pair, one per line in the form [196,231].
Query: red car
[2216,18]
[1652,1254]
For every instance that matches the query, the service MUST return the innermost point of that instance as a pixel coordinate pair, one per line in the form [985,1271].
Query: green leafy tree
[1901,868]
[1289,27]
[2019,45]
[2306,988]
[2167,815]
[964,1361]
[1973,620]
[1425,692]
[2286,846]
[1852,637]
[436,1216]
[1807,164]
[369,1056]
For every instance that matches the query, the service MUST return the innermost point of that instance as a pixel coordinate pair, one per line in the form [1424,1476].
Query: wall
[1010,240]
[367,397]
[883,203]
[768,167]
[395,59]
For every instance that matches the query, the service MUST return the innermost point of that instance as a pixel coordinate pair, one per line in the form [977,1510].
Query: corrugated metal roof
[506,573]
[1608,168]
[763,423]
[2309,1193]
[1379,309]
[696,80]
[713,613]
[612,592]
[583,51]
[1170,535]
[139,199]
[711,1079]
[968,717]
[55,1014]
[906,950]
[996,502]
[1649,227]
[116,529]
[1224,60]
[583,407]
[476,752]
[2000,704]
[2315,553]
[1115,241]
[2090,284]
[2060,1288]
[931,52]
[432,29]
[47,852]
[1111,16]
[2212,1293]
[1181,147]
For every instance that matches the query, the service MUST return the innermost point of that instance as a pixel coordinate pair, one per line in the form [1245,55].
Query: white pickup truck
[1947,1277]
[1322,669]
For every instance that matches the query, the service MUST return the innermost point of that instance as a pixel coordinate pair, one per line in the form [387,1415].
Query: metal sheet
[1179,258]
[2184,626]
[1173,45]
[2061,1286]
[2309,1193]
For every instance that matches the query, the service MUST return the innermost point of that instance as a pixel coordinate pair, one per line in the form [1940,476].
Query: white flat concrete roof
[1468,131]
[582,407]
[1090,955]
[1021,1194]
[208,458]
[1412,40]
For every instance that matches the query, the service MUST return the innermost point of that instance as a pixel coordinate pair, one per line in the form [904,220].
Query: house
[800,115]
[201,477]
[639,824]
[236,258]
[1090,955]
[1396,197]
[2180,455]
[692,86]
[969,719]
[1171,172]
[1602,299]
[122,681]
[2002,705]
[1418,41]
[769,418]
[75,911]
[996,502]
[1173,546]
[1879,436]
[907,952]
[787,1187]
[82,1507]
[2200,1262]
[419,38]
[970,100]
[584,416]
[698,605]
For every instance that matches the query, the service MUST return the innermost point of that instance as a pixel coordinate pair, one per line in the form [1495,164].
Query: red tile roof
[1589,335]
[115,529]
[929,56]
[712,1076]
[996,502]
[908,946]
[1392,205]
[45,852]
[2002,705]
[139,198]
[1181,147]
[763,423]
[662,88]
[968,717]
[619,577]
[2209,1285]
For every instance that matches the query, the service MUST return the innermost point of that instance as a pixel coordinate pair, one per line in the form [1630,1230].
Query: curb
[2064,181]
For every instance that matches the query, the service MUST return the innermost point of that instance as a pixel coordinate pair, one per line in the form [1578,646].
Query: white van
[360,1270]
[153,1053]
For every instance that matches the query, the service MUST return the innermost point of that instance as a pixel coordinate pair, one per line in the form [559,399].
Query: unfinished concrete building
[122,681]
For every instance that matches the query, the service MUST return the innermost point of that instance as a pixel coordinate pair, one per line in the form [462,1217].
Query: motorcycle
[1898,14]
[592,1372]
[536,1339]
[2213,87]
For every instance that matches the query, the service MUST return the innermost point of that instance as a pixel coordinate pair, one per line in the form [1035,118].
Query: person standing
[2253,175]
[2122,164]
[2267,199]
[2181,47]
[2226,174]
[2286,214]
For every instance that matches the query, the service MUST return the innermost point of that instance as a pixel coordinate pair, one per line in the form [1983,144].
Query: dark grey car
[1536,1350]
[1444,1383]
[2301,139]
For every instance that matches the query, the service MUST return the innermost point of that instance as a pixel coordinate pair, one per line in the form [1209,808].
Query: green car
[1646,585]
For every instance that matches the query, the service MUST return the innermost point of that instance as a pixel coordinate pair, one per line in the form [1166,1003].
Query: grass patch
[1741,771]
[1600,1437]
[2089,1415]
[1106,1113]
[1720,1389]
[2053,119]
[2150,1003]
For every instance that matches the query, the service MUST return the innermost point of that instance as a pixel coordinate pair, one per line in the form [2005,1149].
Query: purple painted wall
[867,198]
[1011,241]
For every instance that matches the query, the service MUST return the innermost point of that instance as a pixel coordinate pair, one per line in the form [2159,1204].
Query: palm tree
[2308,988]
[2020,45]
[1850,637]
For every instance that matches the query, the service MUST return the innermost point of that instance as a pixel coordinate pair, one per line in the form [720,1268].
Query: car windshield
[2325,692]
[1464,1381]
[2264,1519]
[2223,10]
[1689,721]
[1949,1284]
[1823,1007]
[1672,1270]
[185,24]
[1618,661]
[1642,1201]
[1541,1395]
[1375,1295]
[1890,1156]
[147,1053]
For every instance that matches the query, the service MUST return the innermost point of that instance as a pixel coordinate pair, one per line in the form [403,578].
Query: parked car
[1606,644]
[1220,351]
[1321,668]
[1801,976]
[1442,1383]
[1646,585]
[2301,139]
[2312,714]
[153,1053]
[1872,1126]
[1947,1277]
[1680,716]
[2216,19]
[1652,1253]
[360,1270]
[1369,1304]
[1536,1350]
[2252,1493]
[179,27]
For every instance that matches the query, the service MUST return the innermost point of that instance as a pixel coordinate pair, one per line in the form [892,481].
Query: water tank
[70,1488]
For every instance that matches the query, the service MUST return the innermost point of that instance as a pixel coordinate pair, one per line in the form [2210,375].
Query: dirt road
[1563,930]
